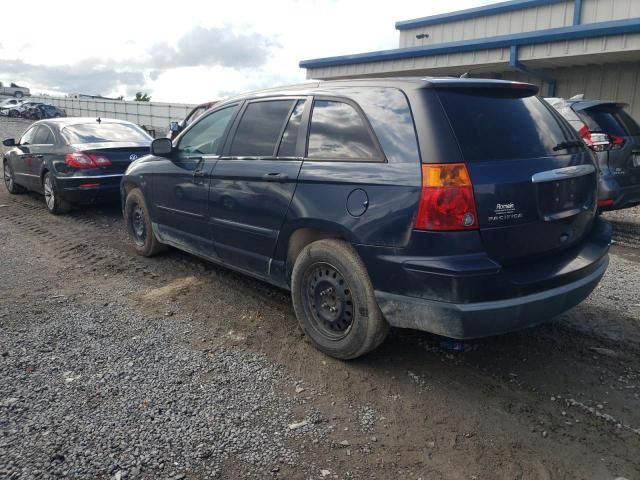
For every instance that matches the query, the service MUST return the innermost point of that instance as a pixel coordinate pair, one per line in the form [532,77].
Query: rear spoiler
[588,104]
[525,89]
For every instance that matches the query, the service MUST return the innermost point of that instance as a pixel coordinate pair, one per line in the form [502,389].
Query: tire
[348,323]
[55,204]
[14,113]
[9,180]
[138,221]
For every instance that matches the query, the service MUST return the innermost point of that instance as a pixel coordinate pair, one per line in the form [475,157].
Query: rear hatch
[623,155]
[534,179]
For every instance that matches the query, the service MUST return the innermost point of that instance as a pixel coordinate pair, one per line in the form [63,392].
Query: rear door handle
[275,177]
[199,174]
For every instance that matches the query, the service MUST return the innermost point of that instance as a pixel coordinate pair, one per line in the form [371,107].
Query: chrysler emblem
[133,157]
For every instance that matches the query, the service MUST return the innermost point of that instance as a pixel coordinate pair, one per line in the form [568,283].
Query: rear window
[104,132]
[493,125]
[610,120]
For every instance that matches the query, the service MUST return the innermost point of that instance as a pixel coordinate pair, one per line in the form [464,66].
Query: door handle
[275,177]
[199,174]
[39,157]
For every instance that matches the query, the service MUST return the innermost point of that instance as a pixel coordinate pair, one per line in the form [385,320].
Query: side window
[205,136]
[195,115]
[43,136]
[260,127]
[339,132]
[29,136]
[290,136]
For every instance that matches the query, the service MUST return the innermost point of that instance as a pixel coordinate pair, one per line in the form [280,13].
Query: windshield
[498,125]
[104,132]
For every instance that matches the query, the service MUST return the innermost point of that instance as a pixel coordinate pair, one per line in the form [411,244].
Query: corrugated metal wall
[619,82]
[605,10]
[527,20]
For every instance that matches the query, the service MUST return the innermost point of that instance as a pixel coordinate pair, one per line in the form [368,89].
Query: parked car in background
[18,110]
[462,207]
[43,110]
[176,127]
[10,102]
[73,161]
[14,90]
[614,136]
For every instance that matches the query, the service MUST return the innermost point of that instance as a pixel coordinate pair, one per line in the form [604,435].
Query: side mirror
[175,126]
[9,142]
[161,147]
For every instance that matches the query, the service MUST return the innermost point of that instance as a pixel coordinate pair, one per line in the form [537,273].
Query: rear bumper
[89,189]
[610,189]
[470,295]
[482,319]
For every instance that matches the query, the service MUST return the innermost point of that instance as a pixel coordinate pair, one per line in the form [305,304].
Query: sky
[192,51]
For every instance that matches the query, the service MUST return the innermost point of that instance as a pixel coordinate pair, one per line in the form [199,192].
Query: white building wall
[527,20]
[606,10]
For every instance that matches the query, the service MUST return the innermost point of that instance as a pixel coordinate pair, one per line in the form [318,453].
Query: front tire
[55,204]
[9,180]
[138,221]
[334,300]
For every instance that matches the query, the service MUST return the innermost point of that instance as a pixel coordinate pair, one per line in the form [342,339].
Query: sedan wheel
[9,180]
[55,204]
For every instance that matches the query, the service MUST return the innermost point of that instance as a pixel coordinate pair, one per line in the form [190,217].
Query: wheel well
[44,172]
[128,186]
[300,239]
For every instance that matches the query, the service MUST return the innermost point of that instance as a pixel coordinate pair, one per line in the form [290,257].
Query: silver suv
[614,136]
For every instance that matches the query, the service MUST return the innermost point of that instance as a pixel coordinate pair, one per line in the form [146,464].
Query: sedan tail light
[616,142]
[446,201]
[86,160]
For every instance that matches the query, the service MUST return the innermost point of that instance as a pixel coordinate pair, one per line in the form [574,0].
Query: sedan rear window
[104,132]
[499,125]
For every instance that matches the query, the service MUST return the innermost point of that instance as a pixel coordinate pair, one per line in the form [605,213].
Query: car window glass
[104,132]
[610,120]
[496,124]
[339,132]
[205,135]
[42,136]
[260,127]
[290,136]
[195,115]
[29,136]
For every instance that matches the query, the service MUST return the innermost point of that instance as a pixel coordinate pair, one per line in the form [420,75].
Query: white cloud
[193,51]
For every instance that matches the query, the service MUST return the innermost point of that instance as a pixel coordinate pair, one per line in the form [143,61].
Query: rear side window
[43,136]
[104,132]
[613,121]
[260,128]
[339,132]
[497,125]
[290,136]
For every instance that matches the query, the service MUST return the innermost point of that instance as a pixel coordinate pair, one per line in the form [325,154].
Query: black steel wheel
[138,221]
[328,299]
[334,300]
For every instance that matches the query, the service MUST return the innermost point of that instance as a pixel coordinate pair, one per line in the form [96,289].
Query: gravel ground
[115,366]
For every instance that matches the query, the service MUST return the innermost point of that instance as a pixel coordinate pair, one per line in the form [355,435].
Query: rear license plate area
[636,159]
[563,198]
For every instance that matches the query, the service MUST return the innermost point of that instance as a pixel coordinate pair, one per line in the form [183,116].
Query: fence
[150,115]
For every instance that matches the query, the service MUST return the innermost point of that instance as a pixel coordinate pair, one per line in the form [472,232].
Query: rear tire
[138,221]
[9,180]
[334,300]
[55,204]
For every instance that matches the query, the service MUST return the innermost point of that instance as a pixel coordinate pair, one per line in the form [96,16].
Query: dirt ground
[560,401]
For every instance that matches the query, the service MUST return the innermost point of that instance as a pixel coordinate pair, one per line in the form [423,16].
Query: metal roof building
[565,46]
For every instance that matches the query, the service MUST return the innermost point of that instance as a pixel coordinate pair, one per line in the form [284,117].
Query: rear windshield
[497,125]
[610,120]
[104,132]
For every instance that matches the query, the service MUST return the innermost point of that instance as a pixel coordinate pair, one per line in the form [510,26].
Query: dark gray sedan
[73,161]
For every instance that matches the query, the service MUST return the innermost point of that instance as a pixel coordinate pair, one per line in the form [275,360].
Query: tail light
[446,201]
[616,142]
[606,202]
[598,142]
[84,160]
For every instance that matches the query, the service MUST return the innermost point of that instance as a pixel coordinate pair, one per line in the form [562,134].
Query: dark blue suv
[460,207]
